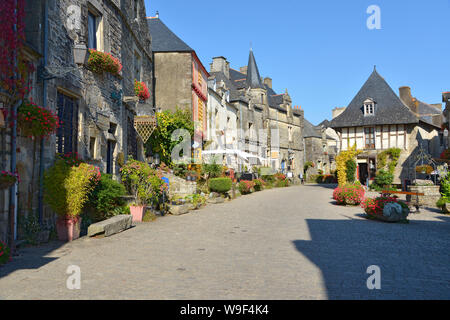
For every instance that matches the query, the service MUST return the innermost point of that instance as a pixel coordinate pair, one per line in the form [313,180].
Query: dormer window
[369,107]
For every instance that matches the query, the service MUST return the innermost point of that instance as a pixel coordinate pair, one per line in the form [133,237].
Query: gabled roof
[163,39]
[253,77]
[389,109]
[309,130]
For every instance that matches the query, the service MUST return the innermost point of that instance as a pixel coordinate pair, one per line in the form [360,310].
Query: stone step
[110,226]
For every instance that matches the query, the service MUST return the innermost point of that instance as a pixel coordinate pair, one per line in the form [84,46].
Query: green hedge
[220,185]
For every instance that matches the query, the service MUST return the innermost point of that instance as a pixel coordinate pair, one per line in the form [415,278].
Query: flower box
[8,179]
[100,62]
[36,121]
[141,90]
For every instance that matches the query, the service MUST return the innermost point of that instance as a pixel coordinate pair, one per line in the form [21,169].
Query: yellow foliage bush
[341,161]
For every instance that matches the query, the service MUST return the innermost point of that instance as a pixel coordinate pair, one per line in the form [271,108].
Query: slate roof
[163,39]
[253,77]
[309,130]
[239,82]
[389,109]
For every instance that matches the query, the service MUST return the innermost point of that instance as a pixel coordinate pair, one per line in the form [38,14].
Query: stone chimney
[337,111]
[243,69]
[220,64]
[268,82]
[406,97]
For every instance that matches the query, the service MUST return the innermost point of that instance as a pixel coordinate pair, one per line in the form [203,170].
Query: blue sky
[321,51]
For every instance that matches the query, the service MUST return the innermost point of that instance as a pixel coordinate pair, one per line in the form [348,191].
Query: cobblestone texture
[290,243]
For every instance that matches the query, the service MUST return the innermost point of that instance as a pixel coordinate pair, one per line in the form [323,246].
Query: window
[369,107]
[290,133]
[250,131]
[137,66]
[135,9]
[95,31]
[92,147]
[131,139]
[370,137]
[112,128]
[109,156]
[67,133]
[92,31]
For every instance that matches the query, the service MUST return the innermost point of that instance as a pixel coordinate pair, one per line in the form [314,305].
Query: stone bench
[110,226]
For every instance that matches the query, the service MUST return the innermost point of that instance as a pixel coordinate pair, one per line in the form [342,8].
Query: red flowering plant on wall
[99,62]
[7,179]
[36,121]
[71,158]
[141,90]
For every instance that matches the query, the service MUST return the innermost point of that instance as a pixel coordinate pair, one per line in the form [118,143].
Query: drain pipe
[44,104]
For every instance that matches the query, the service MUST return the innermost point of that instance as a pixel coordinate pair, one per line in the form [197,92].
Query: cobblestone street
[289,243]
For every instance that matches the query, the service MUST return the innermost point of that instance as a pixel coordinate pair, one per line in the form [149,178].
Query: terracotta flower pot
[137,212]
[68,228]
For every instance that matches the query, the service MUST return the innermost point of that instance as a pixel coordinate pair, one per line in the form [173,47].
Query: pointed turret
[253,77]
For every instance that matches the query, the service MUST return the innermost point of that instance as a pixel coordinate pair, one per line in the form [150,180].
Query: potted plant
[101,61]
[8,179]
[141,90]
[144,183]
[67,189]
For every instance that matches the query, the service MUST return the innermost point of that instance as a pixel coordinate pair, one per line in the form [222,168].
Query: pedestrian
[302,181]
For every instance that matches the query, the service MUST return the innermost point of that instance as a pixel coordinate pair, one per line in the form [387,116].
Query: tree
[161,139]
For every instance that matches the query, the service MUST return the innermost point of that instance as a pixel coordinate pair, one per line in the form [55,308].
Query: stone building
[321,147]
[446,100]
[180,79]
[221,123]
[269,128]
[377,119]
[97,110]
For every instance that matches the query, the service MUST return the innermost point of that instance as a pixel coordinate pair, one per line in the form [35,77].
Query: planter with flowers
[141,90]
[424,169]
[8,179]
[145,184]
[100,62]
[67,190]
[349,194]
[387,209]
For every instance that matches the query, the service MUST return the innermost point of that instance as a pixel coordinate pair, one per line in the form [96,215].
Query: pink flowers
[349,194]
[141,90]
[376,206]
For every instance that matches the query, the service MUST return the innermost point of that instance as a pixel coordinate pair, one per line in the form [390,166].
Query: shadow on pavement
[322,185]
[30,258]
[413,258]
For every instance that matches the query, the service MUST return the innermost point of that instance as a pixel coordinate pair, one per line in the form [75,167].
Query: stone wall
[180,187]
[173,80]
[430,197]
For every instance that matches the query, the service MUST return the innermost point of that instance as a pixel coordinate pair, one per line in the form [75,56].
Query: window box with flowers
[141,90]
[8,179]
[35,121]
[100,62]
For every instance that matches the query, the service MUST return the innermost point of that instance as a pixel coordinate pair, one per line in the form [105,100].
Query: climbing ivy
[388,158]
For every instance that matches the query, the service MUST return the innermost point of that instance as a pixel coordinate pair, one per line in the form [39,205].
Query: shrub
[245,187]
[349,194]
[281,183]
[308,164]
[143,182]
[67,188]
[268,178]
[106,198]
[196,199]
[350,170]
[384,178]
[5,255]
[220,185]
[259,184]
[212,170]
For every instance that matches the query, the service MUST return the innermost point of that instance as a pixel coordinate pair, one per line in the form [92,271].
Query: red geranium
[141,90]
